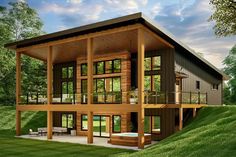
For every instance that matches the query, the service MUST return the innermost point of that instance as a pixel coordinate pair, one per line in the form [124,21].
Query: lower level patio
[98,141]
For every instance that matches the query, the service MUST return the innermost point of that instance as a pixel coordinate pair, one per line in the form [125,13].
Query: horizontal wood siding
[195,73]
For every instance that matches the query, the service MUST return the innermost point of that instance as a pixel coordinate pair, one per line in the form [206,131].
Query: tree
[230,69]
[17,21]
[224,16]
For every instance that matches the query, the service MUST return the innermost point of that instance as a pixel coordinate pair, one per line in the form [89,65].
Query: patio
[98,141]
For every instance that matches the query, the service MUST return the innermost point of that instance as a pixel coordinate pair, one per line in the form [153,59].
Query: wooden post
[90,88]
[180,118]
[194,112]
[18,77]
[90,69]
[18,92]
[141,51]
[18,123]
[49,92]
[90,128]
[49,124]
[49,75]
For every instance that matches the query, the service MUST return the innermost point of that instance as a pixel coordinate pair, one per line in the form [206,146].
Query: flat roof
[112,23]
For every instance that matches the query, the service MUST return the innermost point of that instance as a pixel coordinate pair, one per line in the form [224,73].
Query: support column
[49,93]
[194,112]
[90,88]
[90,128]
[141,51]
[180,118]
[18,92]
[18,123]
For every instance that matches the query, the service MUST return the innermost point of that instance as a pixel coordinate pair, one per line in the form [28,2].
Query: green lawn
[11,146]
[211,133]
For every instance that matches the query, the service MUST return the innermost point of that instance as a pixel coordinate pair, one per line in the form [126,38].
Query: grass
[211,133]
[11,146]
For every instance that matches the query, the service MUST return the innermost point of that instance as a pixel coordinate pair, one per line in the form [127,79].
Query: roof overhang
[113,23]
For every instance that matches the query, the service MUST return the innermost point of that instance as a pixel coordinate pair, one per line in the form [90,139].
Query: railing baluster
[199,98]
[190,97]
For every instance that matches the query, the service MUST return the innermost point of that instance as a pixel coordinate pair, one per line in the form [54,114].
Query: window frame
[198,85]
[113,126]
[82,129]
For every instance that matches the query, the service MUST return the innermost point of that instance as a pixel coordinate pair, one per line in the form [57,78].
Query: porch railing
[131,97]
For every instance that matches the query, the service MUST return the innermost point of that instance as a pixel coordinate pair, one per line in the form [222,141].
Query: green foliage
[18,21]
[225,17]
[211,133]
[230,69]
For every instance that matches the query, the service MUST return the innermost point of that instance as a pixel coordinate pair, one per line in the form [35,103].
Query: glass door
[101,126]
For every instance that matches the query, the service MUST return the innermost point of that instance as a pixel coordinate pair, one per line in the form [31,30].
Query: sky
[187,20]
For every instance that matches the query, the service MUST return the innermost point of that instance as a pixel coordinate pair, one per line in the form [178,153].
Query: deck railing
[131,97]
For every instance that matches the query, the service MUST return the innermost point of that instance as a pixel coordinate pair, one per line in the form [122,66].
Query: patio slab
[97,141]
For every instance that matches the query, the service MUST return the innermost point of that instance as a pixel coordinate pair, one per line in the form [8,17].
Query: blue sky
[186,19]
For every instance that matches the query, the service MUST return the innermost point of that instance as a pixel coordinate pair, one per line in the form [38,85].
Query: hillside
[211,133]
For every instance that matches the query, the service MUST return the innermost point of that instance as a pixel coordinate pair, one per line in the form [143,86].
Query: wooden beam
[49,92]
[114,108]
[194,112]
[49,124]
[18,77]
[49,75]
[157,37]
[180,118]
[18,123]
[83,37]
[141,51]
[90,70]
[90,128]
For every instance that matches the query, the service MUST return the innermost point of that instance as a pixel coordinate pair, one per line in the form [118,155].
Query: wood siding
[167,117]
[195,73]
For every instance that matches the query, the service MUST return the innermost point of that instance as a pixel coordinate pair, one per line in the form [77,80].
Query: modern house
[118,76]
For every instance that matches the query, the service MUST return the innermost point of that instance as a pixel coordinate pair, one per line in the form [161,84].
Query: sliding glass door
[101,126]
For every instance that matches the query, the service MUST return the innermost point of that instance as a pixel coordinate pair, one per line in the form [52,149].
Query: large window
[152,63]
[103,67]
[152,83]
[67,83]
[84,122]
[152,79]
[116,123]
[107,90]
[67,120]
[152,124]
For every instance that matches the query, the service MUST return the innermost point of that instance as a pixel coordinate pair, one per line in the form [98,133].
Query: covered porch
[134,40]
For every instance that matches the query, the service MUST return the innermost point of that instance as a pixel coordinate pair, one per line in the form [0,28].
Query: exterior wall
[125,71]
[167,121]
[167,69]
[125,122]
[197,73]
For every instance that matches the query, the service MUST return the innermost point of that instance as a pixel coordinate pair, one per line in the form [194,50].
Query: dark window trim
[152,56]
[151,116]
[81,122]
[214,86]
[104,67]
[74,119]
[113,128]
[198,85]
